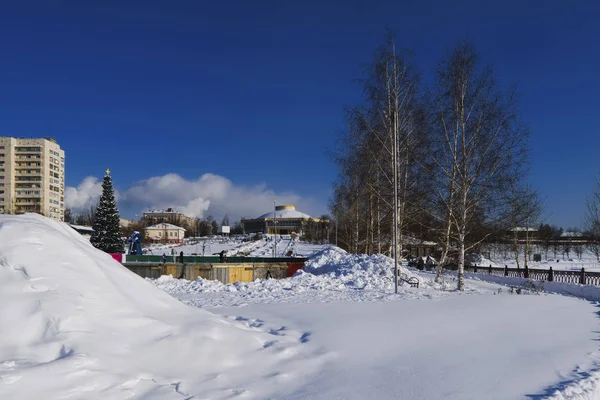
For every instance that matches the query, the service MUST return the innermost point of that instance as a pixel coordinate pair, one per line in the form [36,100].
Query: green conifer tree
[107,229]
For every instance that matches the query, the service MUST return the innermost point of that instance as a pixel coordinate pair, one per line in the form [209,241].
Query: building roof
[523,229]
[81,228]
[164,225]
[169,210]
[285,212]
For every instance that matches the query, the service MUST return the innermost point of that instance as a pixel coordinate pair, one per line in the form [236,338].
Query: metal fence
[582,276]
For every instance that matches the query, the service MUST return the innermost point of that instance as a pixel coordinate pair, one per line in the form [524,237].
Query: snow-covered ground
[258,248]
[407,345]
[76,324]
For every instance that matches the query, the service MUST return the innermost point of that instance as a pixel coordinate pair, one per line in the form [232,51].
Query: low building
[165,232]
[168,215]
[413,247]
[284,220]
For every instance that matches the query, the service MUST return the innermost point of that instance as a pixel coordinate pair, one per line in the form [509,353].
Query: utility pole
[274,231]
[395,150]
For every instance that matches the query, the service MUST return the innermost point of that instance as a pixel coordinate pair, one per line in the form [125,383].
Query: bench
[412,281]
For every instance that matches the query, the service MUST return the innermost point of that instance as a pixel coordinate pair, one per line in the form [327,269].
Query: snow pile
[76,324]
[375,271]
[330,275]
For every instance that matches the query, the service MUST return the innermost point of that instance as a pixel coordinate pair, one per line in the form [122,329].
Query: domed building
[284,220]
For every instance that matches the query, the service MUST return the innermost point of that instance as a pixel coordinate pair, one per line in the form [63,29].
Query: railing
[210,259]
[582,276]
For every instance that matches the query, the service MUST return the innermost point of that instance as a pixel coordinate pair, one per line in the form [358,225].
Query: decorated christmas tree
[107,230]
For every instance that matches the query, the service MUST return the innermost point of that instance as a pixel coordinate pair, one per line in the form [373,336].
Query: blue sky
[241,100]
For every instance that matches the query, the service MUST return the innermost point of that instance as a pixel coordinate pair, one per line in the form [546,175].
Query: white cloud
[210,194]
[84,195]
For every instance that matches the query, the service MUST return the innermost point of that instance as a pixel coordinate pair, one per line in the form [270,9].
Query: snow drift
[75,323]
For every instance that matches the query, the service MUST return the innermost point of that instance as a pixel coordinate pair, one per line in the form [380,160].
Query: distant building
[168,215]
[124,223]
[165,232]
[32,177]
[413,247]
[283,220]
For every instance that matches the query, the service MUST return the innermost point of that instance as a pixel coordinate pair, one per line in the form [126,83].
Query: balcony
[28,166]
[28,178]
[22,203]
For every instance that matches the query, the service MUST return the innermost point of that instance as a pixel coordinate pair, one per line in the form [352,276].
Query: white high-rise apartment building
[32,177]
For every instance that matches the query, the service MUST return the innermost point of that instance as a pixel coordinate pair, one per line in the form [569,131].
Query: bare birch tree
[591,220]
[388,123]
[479,145]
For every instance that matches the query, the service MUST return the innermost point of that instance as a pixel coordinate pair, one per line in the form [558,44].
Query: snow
[77,324]
[459,347]
[541,345]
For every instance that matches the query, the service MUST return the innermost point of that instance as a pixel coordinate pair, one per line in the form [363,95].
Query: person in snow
[164,258]
[222,255]
[181,256]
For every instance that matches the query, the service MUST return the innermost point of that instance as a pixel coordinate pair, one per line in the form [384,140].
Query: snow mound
[75,323]
[331,274]
[336,263]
